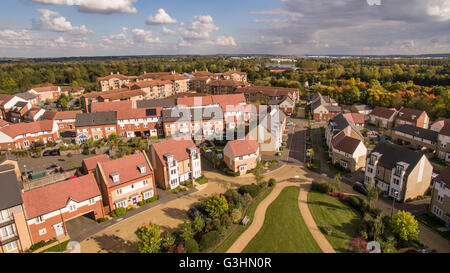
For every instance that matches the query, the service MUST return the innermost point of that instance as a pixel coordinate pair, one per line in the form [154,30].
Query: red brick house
[23,135]
[50,93]
[126,181]
[48,208]
[97,125]
[65,120]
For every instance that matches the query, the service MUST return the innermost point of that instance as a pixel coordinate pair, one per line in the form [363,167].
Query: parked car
[289,123]
[193,212]
[54,152]
[359,187]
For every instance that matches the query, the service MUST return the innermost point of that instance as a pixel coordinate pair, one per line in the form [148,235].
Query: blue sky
[54,28]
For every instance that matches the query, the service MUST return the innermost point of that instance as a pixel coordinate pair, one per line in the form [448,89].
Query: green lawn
[430,221]
[340,218]
[250,212]
[58,248]
[284,230]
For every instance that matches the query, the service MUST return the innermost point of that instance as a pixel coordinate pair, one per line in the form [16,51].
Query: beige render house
[268,130]
[241,155]
[398,171]
[440,199]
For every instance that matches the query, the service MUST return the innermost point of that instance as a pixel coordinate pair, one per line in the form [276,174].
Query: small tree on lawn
[258,172]
[149,238]
[337,182]
[405,226]
[372,193]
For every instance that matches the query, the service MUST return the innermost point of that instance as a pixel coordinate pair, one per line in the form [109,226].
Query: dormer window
[142,168]
[398,170]
[413,117]
[115,177]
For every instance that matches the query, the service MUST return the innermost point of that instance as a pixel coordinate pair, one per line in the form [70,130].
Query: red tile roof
[4,98]
[154,75]
[126,167]
[94,94]
[383,112]
[345,143]
[56,196]
[91,162]
[409,114]
[111,106]
[54,115]
[268,90]
[3,123]
[113,76]
[124,109]
[45,89]
[231,72]
[175,147]
[27,128]
[229,83]
[126,94]
[243,147]
[222,100]
[355,118]
[173,77]
[202,74]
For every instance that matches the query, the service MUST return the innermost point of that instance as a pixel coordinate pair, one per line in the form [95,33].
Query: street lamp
[393,201]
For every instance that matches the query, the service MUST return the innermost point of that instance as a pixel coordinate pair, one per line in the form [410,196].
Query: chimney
[117,72]
[173,72]
[112,73]
[145,72]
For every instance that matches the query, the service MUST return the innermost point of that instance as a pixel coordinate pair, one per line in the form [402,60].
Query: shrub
[252,189]
[209,240]
[191,246]
[118,212]
[168,240]
[236,216]
[263,185]
[322,187]
[354,202]
[202,179]
[272,182]
[69,155]
[215,206]
[103,219]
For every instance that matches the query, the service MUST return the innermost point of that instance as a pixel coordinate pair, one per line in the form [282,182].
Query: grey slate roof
[7,157]
[10,195]
[206,113]
[165,103]
[417,132]
[339,123]
[25,96]
[96,118]
[391,154]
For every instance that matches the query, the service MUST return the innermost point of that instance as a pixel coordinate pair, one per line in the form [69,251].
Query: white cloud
[95,6]
[439,9]
[199,29]
[161,18]
[168,31]
[144,36]
[183,43]
[223,41]
[52,21]
[15,39]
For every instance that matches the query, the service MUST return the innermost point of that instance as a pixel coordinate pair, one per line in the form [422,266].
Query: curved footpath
[260,213]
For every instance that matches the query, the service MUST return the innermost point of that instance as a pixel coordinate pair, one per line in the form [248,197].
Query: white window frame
[39,219]
[14,246]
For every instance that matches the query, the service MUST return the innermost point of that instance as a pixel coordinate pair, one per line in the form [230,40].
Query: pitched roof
[111,106]
[153,75]
[391,154]
[268,90]
[444,176]
[96,118]
[355,118]
[126,167]
[5,98]
[243,147]
[113,76]
[339,123]
[125,94]
[417,132]
[345,143]
[95,94]
[221,100]
[176,147]
[3,123]
[17,129]
[230,83]
[125,109]
[409,114]
[26,95]
[45,89]
[231,72]
[55,115]
[56,196]
[445,129]
[173,77]
[10,190]
[165,103]
[383,112]
[91,162]
[202,74]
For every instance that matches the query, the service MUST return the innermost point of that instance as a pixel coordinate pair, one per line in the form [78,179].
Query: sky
[66,28]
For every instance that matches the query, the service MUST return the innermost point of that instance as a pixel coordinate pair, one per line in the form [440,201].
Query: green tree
[149,238]
[405,226]
[337,182]
[373,193]
[198,224]
[216,205]
[168,240]
[185,231]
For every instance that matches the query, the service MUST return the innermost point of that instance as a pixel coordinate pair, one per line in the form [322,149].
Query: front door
[134,200]
[59,228]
